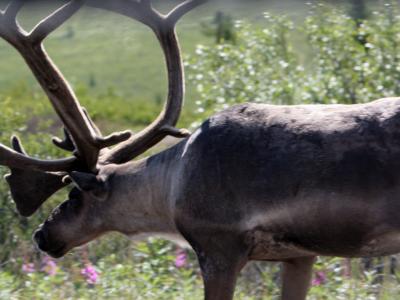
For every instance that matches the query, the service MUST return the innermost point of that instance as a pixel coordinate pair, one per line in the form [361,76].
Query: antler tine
[94,126]
[67,144]
[55,20]
[17,158]
[12,11]
[9,28]
[110,140]
[178,12]
[164,125]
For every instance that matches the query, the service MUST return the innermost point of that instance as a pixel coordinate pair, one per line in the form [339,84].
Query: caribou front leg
[296,278]
[221,255]
[220,277]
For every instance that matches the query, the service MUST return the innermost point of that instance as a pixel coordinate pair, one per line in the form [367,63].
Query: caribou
[253,182]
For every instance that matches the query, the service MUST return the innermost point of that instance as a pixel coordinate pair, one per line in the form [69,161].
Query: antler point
[113,139]
[175,132]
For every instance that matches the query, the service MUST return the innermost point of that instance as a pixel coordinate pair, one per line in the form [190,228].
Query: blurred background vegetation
[280,52]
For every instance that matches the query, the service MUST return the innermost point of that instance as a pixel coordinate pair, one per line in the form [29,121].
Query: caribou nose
[40,239]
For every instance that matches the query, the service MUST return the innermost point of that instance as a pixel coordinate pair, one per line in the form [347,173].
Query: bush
[348,62]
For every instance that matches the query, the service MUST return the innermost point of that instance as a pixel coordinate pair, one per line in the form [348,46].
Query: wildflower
[90,274]
[49,266]
[181,258]
[320,278]
[28,268]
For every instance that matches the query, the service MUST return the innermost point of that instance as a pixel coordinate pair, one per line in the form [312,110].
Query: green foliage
[149,273]
[222,28]
[261,65]
[347,71]
[349,62]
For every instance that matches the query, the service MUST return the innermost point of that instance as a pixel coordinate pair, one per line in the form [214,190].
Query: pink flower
[320,278]
[90,274]
[49,266]
[28,268]
[181,258]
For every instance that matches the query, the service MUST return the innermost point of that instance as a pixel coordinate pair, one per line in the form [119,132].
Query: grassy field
[102,50]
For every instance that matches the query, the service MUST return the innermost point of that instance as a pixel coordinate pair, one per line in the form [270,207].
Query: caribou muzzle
[45,244]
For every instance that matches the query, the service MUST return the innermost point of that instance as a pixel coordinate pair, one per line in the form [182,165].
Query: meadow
[289,55]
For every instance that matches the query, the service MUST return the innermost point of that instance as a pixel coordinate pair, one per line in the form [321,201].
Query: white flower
[369,46]
[284,64]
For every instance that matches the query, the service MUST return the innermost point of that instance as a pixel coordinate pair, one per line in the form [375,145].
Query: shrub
[345,61]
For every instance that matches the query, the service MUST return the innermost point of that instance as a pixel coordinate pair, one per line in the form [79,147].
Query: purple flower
[320,278]
[181,258]
[49,266]
[28,268]
[90,274]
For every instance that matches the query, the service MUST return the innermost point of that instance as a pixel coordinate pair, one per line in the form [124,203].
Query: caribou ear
[86,182]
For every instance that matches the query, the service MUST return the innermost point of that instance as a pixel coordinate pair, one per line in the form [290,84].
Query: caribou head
[94,156]
[78,220]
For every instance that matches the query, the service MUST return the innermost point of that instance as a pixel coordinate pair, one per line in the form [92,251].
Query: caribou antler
[87,143]
[24,184]
[164,28]
[82,137]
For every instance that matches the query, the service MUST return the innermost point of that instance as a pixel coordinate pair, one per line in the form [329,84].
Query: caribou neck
[144,193]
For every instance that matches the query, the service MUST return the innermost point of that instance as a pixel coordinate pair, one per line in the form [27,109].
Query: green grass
[112,51]
[117,52]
